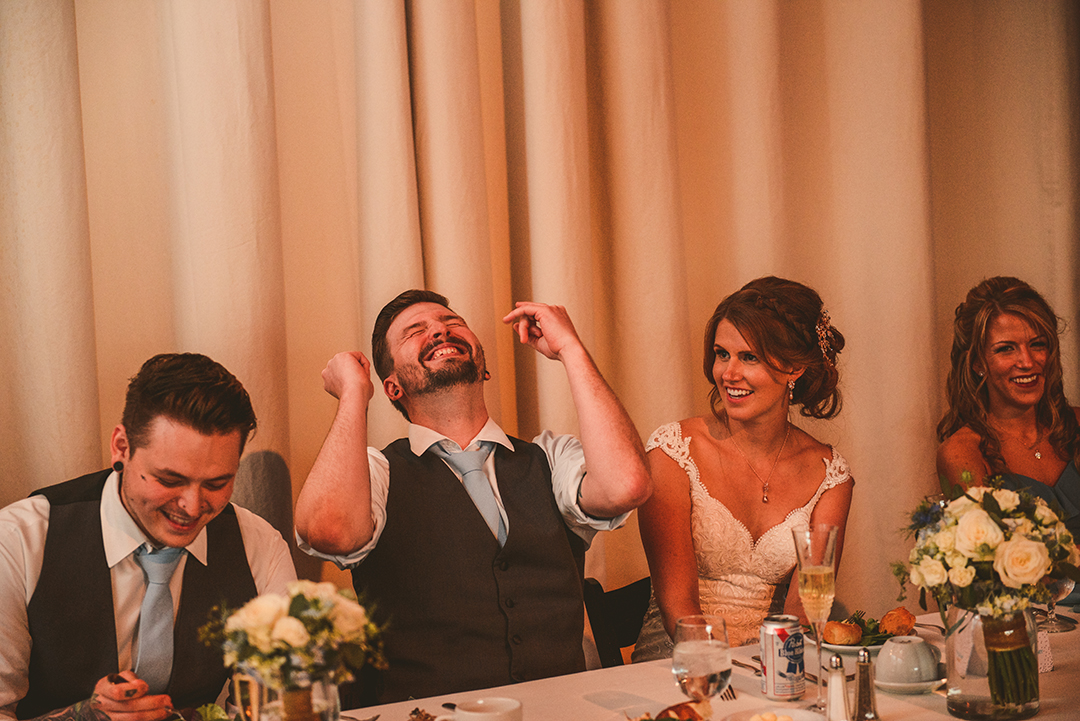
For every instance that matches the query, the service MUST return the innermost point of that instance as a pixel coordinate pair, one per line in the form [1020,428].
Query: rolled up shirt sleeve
[567,460]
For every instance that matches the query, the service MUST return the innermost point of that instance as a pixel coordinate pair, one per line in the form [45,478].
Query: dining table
[626,692]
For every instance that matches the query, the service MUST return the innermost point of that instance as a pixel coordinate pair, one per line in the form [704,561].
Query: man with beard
[476,567]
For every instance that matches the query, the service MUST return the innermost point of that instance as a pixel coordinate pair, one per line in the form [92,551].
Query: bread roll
[842,634]
[898,622]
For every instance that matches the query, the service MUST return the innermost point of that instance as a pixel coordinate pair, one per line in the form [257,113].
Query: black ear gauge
[118,467]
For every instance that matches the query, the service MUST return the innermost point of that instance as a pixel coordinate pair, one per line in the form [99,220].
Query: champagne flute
[815,547]
[701,660]
[1059,588]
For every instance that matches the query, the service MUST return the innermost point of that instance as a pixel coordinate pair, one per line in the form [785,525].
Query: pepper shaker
[836,698]
[865,701]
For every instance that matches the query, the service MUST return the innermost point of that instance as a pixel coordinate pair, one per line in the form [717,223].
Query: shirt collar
[121,535]
[421,437]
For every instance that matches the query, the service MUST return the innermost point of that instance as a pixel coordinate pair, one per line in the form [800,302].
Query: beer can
[782,670]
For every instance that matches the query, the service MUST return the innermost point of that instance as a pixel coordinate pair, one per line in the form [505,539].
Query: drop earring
[791,391]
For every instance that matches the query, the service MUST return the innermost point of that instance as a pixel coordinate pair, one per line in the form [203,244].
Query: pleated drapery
[254,179]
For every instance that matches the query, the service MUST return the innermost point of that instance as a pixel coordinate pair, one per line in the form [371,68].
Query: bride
[729,487]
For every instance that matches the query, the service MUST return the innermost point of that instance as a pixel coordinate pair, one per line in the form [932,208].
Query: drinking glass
[701,660]
[815,547]
[1059,588]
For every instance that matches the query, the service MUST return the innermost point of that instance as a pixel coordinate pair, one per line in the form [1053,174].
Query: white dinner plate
[909,688]
[838,648]
[796,714]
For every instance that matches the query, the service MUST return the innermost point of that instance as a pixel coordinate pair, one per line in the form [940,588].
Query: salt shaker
[865,702]
[836,708]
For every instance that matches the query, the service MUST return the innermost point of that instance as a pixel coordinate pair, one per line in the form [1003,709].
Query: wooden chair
[616,617]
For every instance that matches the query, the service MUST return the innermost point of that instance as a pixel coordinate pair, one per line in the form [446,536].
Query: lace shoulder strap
[669,439]
[836,472]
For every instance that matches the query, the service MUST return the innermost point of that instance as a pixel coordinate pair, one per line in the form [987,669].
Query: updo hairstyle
[787,325]
[967,392]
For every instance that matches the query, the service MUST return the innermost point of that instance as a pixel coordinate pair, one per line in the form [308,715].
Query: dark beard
[420,381]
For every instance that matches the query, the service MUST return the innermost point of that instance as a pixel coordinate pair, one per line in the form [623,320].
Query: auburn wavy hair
[780,319]
[967,393]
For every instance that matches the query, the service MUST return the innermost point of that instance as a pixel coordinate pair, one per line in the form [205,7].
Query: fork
[728,694]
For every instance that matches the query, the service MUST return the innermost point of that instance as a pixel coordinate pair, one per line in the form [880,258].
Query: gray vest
[462,613]
[71,617]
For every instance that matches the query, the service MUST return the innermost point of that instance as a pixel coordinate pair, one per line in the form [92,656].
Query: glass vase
[256,702]
[992,668]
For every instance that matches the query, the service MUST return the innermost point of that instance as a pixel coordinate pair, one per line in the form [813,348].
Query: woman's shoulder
[676,434]
[959,453]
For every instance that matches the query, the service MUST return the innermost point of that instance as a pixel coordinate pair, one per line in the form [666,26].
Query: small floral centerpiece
[987,551]
[316,633]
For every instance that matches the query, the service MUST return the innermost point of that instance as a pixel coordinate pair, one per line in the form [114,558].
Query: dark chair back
[616,617]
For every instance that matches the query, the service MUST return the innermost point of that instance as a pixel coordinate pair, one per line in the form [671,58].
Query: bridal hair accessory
[823,325]
[791,390]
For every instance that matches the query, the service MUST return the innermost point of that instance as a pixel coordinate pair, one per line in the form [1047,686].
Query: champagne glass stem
[819,637]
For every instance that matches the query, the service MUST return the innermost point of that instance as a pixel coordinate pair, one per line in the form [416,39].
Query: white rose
[259,614]
[291,631]
[1020,560]
[933,572]
[977,529]
[954,558]
[1020,526]
[961,576]
[303,587]
[958,507]
[915,576]
[945,540]
[1074,555]
[1044,514]
[349,619]
[1006,499]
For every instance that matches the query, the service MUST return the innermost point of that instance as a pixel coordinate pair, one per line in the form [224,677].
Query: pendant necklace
[764,481]
[1034,446]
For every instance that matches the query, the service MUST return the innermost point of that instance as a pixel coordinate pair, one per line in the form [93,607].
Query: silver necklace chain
[764,481]
[1034,446]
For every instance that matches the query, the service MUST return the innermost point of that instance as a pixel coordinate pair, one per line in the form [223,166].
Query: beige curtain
[253,179]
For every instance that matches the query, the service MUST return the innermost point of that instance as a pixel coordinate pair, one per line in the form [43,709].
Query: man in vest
[105,579]
[474,558]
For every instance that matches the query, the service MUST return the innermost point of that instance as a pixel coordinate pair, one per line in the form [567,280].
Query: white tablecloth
[612,694]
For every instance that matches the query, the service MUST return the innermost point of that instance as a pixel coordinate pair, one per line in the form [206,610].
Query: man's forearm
[333,511]
[617,480]
[86,710]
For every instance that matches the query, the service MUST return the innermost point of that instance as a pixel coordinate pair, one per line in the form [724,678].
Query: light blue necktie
[154,664]
[470,464]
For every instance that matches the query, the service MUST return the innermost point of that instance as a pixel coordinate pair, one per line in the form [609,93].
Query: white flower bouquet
[987,551]
[316,632]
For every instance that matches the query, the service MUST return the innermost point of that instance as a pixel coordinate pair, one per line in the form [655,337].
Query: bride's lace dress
[740,579]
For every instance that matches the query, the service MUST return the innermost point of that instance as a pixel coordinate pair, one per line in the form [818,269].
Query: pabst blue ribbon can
[782,667]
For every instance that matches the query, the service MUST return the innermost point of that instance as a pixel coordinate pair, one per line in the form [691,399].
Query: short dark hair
[785,322]
[191,389]
[380,347]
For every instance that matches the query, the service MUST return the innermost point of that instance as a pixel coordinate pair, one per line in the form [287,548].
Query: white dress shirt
[23,527]
[565,457]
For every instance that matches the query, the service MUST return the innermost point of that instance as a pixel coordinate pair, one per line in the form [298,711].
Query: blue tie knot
[159,563]
[470,464]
